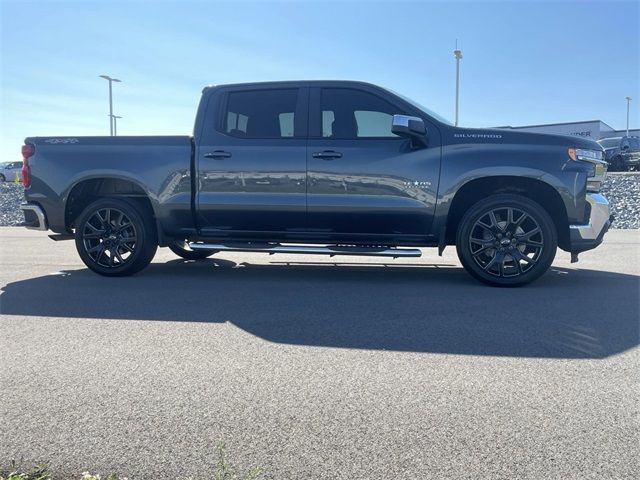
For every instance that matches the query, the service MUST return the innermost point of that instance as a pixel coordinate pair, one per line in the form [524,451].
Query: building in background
[594,129]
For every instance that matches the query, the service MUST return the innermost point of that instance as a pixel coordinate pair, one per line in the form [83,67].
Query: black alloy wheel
[115,238]
[506,240]
[109,237]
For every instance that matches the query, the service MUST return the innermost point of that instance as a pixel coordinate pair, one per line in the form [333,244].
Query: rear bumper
[34,216]
[587,236]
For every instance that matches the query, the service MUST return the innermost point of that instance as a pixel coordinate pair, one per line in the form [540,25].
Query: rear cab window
[268,113]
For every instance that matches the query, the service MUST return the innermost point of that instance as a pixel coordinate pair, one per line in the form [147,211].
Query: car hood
[455,135]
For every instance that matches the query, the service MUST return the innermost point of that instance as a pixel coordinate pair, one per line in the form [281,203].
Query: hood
[454,135]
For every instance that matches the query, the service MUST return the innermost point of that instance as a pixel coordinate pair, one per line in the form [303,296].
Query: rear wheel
[2,179]
[506,240]
[181,248]
[115,237]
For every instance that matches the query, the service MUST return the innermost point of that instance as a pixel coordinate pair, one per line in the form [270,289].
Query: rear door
[362,179]
[251,162]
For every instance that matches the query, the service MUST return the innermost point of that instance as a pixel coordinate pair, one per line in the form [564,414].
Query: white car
[9,170]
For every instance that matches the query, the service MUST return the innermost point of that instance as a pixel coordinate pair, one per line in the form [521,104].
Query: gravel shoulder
[622,190]
[11,196]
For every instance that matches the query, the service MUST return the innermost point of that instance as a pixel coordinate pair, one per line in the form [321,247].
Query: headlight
[584,154]
[598,170]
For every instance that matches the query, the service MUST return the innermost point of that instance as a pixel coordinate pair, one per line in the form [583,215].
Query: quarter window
[261,113]
[349,113]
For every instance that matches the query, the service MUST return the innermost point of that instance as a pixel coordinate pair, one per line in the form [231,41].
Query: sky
[523,62]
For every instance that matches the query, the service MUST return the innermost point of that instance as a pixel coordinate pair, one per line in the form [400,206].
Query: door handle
[327,155]
[218,154]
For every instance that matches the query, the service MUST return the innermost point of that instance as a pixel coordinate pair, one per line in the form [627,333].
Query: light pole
[110,80]
[115,125]
[628,102]
[458,54]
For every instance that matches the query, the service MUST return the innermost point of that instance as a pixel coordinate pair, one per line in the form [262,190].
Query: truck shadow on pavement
[419,308]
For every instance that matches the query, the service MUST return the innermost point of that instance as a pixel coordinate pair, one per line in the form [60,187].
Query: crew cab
[322,167]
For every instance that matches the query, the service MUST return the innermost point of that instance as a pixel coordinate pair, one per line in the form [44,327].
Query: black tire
[116,237]
[2,179]
[180,248]
[616,164]
[506,240]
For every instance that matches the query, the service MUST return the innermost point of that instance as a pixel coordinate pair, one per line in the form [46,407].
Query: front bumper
[631,160]
[34,216]
[587,236]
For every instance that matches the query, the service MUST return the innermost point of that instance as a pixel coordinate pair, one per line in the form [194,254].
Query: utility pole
[628,102]
[111,120]
[115,125]
[458,55]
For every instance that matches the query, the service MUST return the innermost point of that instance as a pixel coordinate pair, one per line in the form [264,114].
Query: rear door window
[261,113]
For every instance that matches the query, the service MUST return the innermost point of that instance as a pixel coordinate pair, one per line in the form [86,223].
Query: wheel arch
[535,189]
[85,191]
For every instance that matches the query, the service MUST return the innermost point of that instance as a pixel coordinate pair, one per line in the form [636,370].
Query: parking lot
[318,367]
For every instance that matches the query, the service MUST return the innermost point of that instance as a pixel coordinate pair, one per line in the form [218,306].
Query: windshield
[609,142]
[423,108]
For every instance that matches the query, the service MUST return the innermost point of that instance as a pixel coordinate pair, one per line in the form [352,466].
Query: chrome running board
[322,250]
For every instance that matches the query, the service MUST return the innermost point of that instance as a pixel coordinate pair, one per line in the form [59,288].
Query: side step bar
[323,250]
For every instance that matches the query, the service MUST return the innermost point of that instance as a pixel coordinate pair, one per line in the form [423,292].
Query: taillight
[27,151]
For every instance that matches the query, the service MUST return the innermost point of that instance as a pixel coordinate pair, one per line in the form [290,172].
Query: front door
[252,163]
[362,179]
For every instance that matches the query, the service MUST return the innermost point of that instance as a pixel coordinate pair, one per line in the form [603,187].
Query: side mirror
[410,127]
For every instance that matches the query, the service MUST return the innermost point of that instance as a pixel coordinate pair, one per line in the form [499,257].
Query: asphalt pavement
[317,367]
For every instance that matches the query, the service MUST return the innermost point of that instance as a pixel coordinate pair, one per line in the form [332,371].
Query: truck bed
[159,165]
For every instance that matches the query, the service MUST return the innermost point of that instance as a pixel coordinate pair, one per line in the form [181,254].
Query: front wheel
[115,237]
[506,240]
[617,165]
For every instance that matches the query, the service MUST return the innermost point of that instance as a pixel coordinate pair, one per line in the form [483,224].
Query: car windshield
[429,112]
[5,164]
[609,142]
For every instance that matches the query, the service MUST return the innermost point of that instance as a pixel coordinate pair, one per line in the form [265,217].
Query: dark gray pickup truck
[327,167]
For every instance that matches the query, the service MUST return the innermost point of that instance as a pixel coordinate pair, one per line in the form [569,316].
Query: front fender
[462,164]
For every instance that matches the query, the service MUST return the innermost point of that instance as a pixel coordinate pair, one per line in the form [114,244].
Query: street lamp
[115,125]
[628,102]
[110,80]
[458,55]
